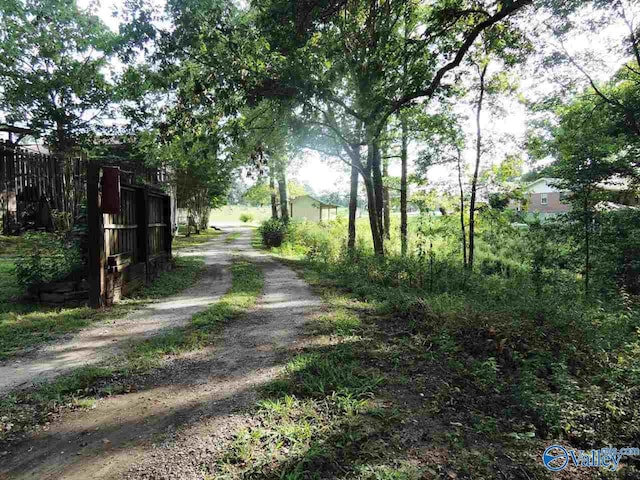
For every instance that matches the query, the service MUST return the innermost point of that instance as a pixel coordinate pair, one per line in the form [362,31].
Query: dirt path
[106,338]
[177,418]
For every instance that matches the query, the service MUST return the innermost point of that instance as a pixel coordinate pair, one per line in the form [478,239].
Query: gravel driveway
[176,418]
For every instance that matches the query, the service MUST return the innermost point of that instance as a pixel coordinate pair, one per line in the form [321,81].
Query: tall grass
[518,328]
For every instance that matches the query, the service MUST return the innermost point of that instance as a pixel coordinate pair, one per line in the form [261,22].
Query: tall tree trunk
[372,177]
[376,175]
[274,200]
[353,203]
[374,221]
[404,234]
[403,188]
[386,198]
[587,246]
[474,182]
[462,226]
[282,188]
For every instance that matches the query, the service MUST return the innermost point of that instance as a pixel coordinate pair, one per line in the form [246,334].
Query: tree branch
[471,37]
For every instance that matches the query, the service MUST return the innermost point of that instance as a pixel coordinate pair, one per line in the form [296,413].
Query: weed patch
[480,380]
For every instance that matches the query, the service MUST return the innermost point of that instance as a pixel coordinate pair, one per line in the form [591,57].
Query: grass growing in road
[26,325]
[181,241]
[247,284]
[26,410]
[322,414]
[232,237]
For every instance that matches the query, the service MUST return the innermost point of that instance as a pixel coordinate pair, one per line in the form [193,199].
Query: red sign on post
[111,190]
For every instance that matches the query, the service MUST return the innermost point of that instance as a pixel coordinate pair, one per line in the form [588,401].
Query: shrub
[246,217]
[61,221]
[46,257]
[273,232]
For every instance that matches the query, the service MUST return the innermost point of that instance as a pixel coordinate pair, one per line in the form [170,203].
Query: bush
[273,232]
[46,257]
[246,217]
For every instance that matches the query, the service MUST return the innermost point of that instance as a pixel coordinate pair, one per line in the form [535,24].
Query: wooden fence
[28,178]
[130,248]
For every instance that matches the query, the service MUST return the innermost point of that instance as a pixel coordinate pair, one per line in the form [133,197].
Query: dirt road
[177,417]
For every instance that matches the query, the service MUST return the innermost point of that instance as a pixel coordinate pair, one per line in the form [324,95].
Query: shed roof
[322,203]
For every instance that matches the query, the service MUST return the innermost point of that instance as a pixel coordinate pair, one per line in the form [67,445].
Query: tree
[587,160]
[199,173]
[355,67]
[482,74]
[444,144]
[54,59]
[258,194]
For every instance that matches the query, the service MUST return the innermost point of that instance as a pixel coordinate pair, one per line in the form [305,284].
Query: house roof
[4,127]
[612,206]
[549,180]
[616,184]
[322,204]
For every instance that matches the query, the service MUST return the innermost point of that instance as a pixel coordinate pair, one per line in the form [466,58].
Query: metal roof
[322,204]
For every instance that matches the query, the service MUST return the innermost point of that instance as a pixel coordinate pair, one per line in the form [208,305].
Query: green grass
[232,237]
[9,245]
[487,372]
[25,325]
[231,213]
[339,321]
[26,409]
[9,287]
[181,241]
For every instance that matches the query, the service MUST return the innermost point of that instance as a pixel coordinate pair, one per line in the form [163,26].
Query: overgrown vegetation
[518,343]
[8,244]
[28,410]
[273,232]
[45,257]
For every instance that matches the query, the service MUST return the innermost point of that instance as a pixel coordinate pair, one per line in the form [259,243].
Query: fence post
[96,237]
[168,221]
[142,218]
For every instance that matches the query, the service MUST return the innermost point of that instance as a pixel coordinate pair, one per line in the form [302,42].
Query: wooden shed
[311,209]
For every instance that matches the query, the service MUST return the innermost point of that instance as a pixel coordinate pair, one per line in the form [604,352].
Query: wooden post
[142,218]
[168,221]
[96,237]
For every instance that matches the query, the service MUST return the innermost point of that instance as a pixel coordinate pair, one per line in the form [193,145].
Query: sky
[510,122]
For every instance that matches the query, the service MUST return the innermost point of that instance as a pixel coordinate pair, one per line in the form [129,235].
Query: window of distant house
[543,199]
